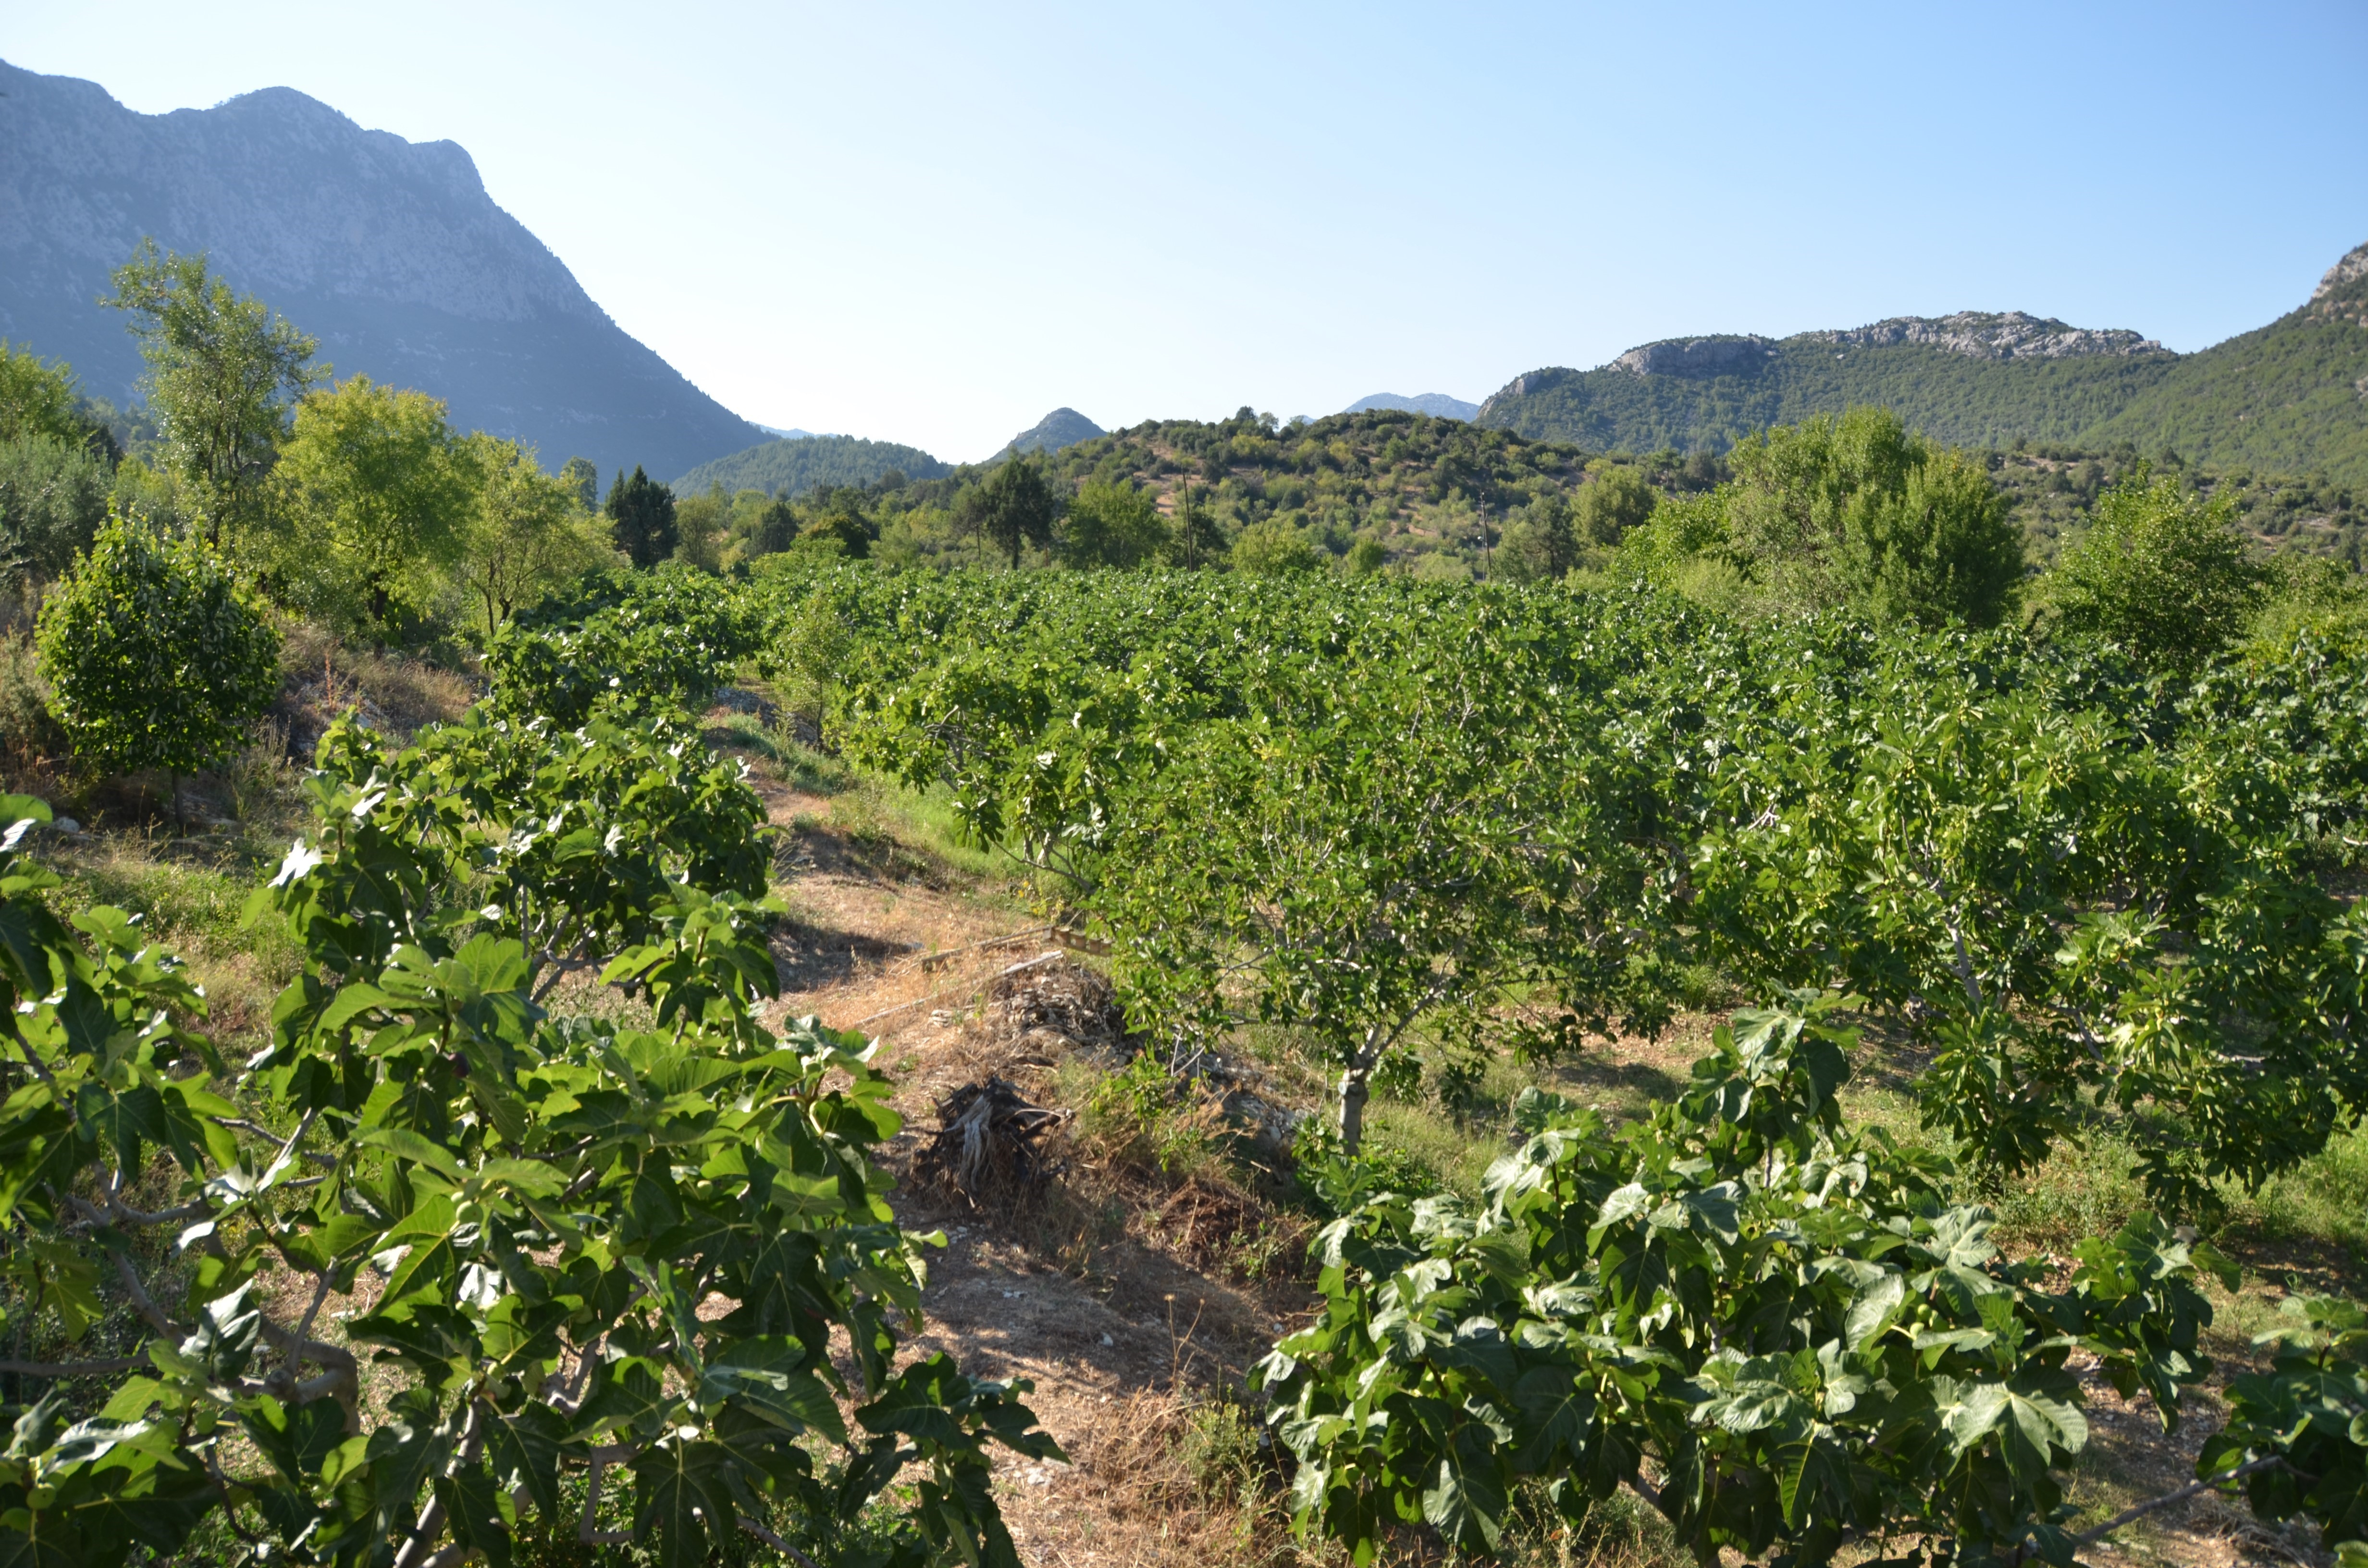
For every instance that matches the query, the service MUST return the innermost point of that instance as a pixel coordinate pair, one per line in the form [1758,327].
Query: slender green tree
[156,657]
[701,523]
[222,372]
[1195,539]
[1015,506]
[641,516]
[1540,542]
[530,531]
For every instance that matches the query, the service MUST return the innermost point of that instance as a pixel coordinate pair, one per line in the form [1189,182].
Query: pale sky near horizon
[932,223]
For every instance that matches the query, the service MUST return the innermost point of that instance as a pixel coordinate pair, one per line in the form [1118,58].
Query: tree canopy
[377,493]
[1014,506]
[222,372]
[2160,571]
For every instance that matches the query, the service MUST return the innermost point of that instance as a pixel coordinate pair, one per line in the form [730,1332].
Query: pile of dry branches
[991,1141]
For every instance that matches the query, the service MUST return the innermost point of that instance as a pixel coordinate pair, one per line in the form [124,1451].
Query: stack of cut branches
[1059,996]
[991,1140]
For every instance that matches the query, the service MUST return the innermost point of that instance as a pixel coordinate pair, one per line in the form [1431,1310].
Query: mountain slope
[1967,379]
[1439,405]
[1062,428]
[2292,395]
[794,466]
[390,252]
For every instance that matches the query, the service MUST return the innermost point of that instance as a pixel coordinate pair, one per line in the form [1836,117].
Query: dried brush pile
[1056,1001]
[992,1143]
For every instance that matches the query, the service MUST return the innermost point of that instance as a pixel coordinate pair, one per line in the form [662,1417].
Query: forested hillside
[794,466]
[1365,489]
[1436,498]
[2291,396]
[1062,428]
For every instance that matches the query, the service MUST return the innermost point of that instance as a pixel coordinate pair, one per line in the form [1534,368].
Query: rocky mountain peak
[2342,294]
[1991,334]
[390,252]
[1719,356]
[2350,269]
[1062,428]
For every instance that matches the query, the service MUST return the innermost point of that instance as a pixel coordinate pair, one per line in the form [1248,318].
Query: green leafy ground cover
[1431,847]
[2056,878]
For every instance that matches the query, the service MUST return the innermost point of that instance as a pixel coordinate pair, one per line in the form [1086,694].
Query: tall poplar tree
[222,372]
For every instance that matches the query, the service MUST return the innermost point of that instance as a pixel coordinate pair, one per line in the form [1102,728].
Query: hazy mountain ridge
[390,252]
[1439,405]
[2292,395]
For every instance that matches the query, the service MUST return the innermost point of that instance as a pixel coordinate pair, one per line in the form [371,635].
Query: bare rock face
[390,252]
[2350,269]
[1697,356]
[2342,294]
[1983,335]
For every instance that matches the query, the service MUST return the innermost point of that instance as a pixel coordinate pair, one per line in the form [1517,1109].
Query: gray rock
[2354,264]
[1722,355]
[1990,335]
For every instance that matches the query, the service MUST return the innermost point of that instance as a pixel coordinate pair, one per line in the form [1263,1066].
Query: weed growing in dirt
[1144,1115]
[190,905]
[1619,1531]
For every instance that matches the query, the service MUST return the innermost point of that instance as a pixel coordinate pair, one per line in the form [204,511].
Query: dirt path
[1121,1357]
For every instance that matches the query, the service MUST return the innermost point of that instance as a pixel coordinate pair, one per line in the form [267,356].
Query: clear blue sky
[933,223]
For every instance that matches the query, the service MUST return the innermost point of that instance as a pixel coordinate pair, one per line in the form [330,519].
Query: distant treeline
[360,506]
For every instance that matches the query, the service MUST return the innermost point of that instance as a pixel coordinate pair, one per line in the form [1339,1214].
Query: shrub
[156,656]
[663,640]
[2161,571]
[548,1203]
[1274,548]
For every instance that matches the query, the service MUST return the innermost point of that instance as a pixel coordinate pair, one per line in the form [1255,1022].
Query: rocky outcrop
[1696,357]
[2350,269]
[1983,335]
[2342,294]
[390,252]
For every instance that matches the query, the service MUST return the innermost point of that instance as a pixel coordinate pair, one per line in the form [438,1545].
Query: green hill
[1062,428]
[2291,396]
[811,463]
